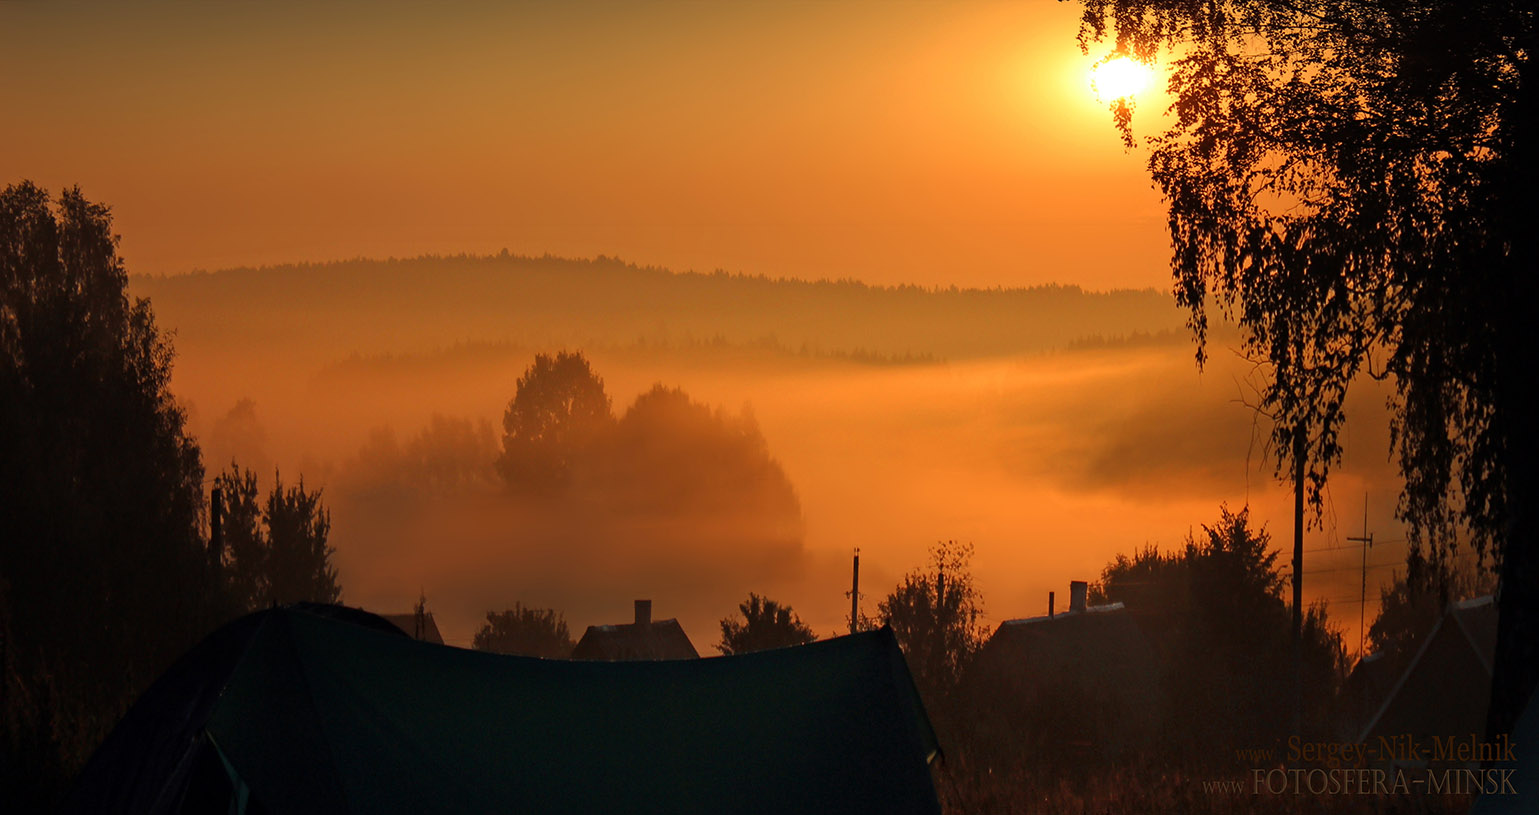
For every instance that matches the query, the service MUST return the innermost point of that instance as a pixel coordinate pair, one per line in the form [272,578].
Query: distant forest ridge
[371,307]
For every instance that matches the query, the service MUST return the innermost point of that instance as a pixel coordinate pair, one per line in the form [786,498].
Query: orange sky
[943,144]
[936,143]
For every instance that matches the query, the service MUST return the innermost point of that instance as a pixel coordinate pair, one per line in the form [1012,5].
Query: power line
[1349,568]
[1347,601]
[1376,542]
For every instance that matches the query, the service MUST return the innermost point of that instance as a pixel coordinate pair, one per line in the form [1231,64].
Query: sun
[1120,78]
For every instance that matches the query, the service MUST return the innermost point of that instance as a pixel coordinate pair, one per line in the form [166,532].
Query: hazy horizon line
[601,258]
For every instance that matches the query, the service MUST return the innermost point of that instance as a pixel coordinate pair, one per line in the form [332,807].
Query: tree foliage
[559,407]
[765,624]
[298,560]
[669,450]
[276,552]
[244,543]
[668,462]
[935,614]
[104,575]
[1216,609]
[530,632]
[1354,182]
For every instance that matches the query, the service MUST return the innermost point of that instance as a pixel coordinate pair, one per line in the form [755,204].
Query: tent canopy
[304,709]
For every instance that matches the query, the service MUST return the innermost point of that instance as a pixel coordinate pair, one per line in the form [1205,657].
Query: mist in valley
[1052,428]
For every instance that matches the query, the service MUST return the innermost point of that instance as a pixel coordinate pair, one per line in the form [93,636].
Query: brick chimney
[1077,589]
[643,612]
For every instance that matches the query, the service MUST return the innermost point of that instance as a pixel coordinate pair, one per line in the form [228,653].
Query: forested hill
[393,306]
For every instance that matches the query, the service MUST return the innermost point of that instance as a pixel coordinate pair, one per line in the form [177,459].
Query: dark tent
[317,709]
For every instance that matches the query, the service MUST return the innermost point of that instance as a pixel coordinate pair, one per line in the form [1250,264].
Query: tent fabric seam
[320,721]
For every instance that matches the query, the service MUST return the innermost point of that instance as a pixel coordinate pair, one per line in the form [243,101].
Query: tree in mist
[668,457]
[104,574]
[530,632]
[671,451]
[1216,612]
[557,411]
[1354,182]
[935,614]
[276,551]
[448,456]
[765,624]
[238,435]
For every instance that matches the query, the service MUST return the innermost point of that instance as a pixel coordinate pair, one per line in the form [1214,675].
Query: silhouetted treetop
[1215,610]
[298,561]
[104,575]
[765,624]
[531,632]
[245,543]
[276,552]
[935,613]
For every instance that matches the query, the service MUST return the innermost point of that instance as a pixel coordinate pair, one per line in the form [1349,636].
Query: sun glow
[1120,78]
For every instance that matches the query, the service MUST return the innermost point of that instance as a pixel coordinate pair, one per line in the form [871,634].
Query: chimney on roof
[1050,605]
[1077,589]
[643,612]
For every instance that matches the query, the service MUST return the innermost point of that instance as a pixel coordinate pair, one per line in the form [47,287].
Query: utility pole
[1362,607]
[1299,449]
[216,528]
[855,594]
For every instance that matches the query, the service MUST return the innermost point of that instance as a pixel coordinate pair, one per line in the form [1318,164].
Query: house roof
[1104,637]
[1075,646]
[308,712]
[408,625]
[1447,686]
[1102,609]
[1086,680]
[658,639]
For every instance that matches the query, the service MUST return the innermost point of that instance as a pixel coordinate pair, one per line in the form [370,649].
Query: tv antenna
[1366,539]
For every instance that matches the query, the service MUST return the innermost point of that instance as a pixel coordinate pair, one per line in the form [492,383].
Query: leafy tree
[298,561]
[531,632]
[450,455]
[245,545]
[275,551]
[559,408]
[765,624]
[935,615]
[1216,610]
[1354,182]
[104,574]
[671,451]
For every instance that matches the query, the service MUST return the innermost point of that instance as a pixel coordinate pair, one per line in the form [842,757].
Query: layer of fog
[1049,462]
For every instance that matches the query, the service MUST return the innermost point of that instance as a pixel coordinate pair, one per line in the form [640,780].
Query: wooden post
[216,527]
[855,594]
[1299,449]
[1362,602]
